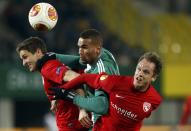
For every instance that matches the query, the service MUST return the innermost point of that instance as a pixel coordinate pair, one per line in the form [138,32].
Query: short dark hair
[31,44]
[154,58]
[92,34]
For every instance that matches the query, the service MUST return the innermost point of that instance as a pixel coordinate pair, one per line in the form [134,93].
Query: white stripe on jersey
[100,66]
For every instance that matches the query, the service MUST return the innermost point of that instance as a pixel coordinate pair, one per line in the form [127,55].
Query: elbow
[103,106]
[104,111]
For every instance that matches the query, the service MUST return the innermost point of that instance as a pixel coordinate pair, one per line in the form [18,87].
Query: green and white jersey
[106,63]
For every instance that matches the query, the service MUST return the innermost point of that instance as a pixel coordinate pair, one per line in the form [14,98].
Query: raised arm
[90,79]
[70,60]
[95,81]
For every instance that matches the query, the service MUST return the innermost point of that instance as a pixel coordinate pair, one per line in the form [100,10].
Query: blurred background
[129,28]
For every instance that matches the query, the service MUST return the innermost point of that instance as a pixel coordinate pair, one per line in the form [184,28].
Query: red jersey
[67,113]
[128,107]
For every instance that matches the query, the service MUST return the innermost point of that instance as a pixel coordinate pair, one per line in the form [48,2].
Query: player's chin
[83,61]
[136,82]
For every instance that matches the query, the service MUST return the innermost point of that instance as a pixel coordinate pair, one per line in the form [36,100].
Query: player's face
[88,51]
[144,74]
[29,59]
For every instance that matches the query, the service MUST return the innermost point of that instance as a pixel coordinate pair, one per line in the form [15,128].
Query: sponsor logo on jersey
[123,112]
[119,96]
[58,70]
[146,106]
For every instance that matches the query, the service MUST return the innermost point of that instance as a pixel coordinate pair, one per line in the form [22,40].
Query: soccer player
[34,56]
[96,59]
[132,98]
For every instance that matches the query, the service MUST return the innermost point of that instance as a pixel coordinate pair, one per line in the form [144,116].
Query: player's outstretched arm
[89,104]
[90,79]
[69,75]
[70,60]
[95,81]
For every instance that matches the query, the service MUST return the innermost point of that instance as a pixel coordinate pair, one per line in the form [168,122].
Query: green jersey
[106,63]
[96,100]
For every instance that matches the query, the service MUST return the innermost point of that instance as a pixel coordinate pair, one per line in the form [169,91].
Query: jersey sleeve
[110,68]
[157,101]
[71,61]
[91,103]
[107,82]
[54,70]
[156,104]
[109,63]
[95,81]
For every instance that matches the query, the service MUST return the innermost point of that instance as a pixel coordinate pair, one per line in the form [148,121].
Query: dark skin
[89,50]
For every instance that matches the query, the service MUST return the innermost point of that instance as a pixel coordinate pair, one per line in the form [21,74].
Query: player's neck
[141,88]
[145,88]
[94,62]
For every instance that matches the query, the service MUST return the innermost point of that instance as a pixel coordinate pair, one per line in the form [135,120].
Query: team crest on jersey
[146,106]
[58,70]
[103,77]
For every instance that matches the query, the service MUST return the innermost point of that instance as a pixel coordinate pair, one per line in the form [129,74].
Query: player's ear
[38,51]
[98,49]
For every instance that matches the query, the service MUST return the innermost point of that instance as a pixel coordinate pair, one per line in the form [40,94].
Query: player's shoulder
[125,78]
[107,57]
[51,64]
[154,95]
[122,80]
[105,52]
[64,56]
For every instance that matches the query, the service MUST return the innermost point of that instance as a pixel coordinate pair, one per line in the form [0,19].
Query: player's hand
[60,93]
[53,107]
[84,119]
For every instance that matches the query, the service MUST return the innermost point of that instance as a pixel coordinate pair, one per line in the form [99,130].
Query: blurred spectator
[50,122]
[186,112]
[74,16]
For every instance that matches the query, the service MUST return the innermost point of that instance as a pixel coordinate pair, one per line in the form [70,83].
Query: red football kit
[67,113]
[128,107]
